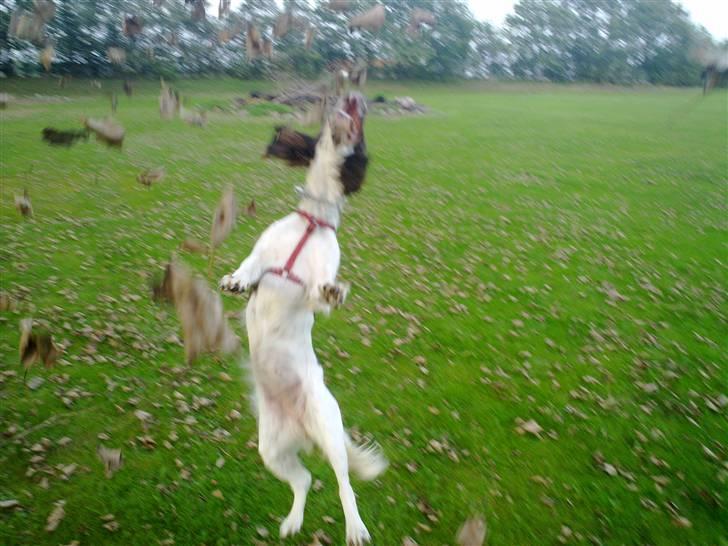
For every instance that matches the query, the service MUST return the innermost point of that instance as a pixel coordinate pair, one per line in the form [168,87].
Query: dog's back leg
[325,428]
[279,440]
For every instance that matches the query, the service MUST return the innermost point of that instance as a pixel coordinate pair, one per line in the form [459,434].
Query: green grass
[504,203]
[267,108]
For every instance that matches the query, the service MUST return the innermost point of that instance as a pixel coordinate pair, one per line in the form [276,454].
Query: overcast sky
[712,14]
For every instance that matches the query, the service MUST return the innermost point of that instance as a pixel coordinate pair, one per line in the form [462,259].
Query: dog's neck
[323,194]
[330,211]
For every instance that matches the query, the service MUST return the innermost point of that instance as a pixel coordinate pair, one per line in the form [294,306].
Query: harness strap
[286,271]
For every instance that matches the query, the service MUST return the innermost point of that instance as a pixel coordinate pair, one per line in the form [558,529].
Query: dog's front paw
[230,283]
[334,294]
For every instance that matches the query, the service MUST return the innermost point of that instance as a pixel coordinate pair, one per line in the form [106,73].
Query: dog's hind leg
[278,444]
[325,427]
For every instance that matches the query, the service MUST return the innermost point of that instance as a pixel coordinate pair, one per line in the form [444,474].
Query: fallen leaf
[55,517]
[111,458]
[149,176]
[143,416]
[682,521]
[22,203]
[251,210]
[530,427]
[472,533]
[36,345]
[6,302]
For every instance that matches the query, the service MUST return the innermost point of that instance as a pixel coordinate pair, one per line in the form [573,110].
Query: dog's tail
[367,462]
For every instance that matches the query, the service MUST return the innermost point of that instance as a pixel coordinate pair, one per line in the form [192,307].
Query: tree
[602,41]
[615,41]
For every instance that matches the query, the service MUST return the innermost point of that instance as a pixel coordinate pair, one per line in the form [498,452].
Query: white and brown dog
[291,274]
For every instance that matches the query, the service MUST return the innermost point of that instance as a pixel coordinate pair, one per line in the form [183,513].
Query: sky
[712,14]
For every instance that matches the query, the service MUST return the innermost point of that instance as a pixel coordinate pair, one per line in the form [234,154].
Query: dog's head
[347,122]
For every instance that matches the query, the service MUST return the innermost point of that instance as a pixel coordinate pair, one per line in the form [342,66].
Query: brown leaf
[197,119]
[107,131]
[22,203]
[419,17]
[6,302]
[339,5]
[472,533]
[681,521]
[110,524]
[198,10]
[55,517]
[46,57]
[169,102]
[26,26]
[200,310]
[253,43]
[36,345]
[310,34]
[150,176]
[116,55]
[147,441]
[132,25]
[193,245]
[143,416]
[44,10]
[372,19]
[251,210]
[530,427]
[224,219]
[282,25]
[111,458]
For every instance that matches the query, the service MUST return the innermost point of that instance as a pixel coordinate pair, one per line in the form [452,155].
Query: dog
[295,410]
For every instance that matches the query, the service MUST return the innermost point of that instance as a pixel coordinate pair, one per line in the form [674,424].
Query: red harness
[286,271]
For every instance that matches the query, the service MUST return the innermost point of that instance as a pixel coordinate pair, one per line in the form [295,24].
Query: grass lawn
[523,252]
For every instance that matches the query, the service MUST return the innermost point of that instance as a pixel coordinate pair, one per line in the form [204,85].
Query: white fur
[294,407]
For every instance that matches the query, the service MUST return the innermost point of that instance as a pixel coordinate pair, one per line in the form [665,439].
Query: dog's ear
[354,169]
[298,149]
